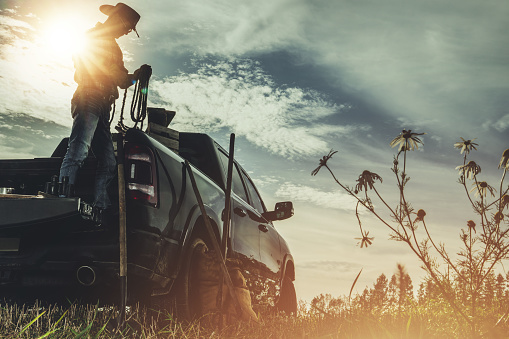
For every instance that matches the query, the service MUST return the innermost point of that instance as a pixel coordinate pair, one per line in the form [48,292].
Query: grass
[429,320]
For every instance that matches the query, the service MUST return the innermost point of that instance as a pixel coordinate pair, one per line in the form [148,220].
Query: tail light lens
[141,174]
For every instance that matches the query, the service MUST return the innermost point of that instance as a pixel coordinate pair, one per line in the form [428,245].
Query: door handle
[239,211]
[263,228]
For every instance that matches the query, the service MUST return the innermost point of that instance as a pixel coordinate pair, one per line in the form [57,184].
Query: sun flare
[65,37]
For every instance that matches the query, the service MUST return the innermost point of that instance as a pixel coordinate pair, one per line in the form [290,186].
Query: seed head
[499,216]
[366,180]
[420,214]
[470,170]
[323,162]
[482,188]
[505,201]
[471,224]
[365,240]
[466,145]
[504,161]
[407,140]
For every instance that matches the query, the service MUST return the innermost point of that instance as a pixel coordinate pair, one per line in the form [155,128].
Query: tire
[287,298]
[187,301]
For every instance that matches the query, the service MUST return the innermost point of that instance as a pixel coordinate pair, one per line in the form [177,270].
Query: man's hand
[145,70]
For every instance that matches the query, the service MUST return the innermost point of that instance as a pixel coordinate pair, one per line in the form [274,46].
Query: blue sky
[294,79]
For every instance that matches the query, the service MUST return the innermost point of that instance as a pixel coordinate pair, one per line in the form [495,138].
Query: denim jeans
[91,129]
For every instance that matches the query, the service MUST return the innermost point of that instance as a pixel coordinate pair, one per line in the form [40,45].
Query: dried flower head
[469,170]
[504,162]
[466,145]
[482,188]
[365,240]
[407,141]
[471,225]
[420,214]
[499,216]
[323,162]
[367,179]
[504,201]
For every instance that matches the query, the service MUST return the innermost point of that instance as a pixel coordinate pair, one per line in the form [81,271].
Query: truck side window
[256,200]
[237,184]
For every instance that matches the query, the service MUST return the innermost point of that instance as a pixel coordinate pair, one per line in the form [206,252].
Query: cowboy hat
[127,13]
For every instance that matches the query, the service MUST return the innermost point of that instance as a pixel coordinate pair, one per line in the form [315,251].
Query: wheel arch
[197,227]
[288,268]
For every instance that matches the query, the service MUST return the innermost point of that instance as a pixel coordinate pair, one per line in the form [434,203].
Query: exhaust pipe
[86,275]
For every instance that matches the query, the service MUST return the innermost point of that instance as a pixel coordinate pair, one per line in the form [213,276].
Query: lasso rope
[139,103]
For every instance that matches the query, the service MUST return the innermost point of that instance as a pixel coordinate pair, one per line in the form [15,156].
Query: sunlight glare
[65,37]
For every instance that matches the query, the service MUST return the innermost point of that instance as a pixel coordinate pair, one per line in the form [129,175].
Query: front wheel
[187,297]
[287,298]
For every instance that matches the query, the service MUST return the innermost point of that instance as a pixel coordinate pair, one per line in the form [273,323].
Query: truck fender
[288,268]
[194,226]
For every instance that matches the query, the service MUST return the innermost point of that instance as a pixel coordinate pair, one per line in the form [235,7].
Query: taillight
[141,178]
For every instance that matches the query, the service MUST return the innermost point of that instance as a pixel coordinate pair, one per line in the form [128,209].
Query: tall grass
[325,317]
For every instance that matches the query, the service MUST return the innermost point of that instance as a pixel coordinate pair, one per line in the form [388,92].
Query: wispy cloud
[226,27]
[23,136]
[238,95]
[329,265]
[500,125]
[306,194]
[441,63]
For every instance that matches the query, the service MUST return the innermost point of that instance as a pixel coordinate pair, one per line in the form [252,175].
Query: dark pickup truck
[48,248]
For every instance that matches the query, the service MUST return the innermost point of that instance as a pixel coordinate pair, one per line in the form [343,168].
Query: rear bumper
[82,264]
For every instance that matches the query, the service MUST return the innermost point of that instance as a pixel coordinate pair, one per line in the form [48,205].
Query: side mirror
[282,211]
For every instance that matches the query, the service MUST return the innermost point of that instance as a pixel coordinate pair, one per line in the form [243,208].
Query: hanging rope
[139,103]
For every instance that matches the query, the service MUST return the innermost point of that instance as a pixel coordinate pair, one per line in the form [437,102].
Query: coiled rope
[139,102]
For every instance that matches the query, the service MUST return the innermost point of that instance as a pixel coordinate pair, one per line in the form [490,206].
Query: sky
[294,79]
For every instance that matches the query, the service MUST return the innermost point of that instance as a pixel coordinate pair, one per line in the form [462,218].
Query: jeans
[91,129]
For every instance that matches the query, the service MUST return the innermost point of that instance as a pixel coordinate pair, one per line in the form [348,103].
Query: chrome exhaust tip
[86,275]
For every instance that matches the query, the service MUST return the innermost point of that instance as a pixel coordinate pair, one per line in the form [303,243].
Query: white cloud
[226,27]
[301,193]
[238,95]
[502,124]
[442,64]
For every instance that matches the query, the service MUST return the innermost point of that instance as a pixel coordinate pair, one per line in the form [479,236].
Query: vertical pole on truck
[226,224]
[122,230]
[215,242]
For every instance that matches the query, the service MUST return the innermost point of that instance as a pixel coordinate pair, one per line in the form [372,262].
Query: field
[387,310]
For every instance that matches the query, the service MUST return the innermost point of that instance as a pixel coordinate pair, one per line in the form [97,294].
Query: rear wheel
[287,298]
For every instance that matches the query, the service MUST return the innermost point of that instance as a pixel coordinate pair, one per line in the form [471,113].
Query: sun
[65,37]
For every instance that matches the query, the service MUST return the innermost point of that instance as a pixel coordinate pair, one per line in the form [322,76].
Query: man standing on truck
[99,71]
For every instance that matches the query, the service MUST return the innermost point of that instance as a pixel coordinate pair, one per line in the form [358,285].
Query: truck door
[245,238]
[270,251]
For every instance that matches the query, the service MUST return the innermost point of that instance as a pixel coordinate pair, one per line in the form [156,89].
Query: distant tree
[362,301]
[405,287]
[500,293]
[379,292]
[392,293]
[325,304]
[488,291]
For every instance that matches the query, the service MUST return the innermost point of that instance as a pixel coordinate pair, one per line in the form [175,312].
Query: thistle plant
[485,241]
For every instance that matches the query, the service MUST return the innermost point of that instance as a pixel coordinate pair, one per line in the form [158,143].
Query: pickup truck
[49,249]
